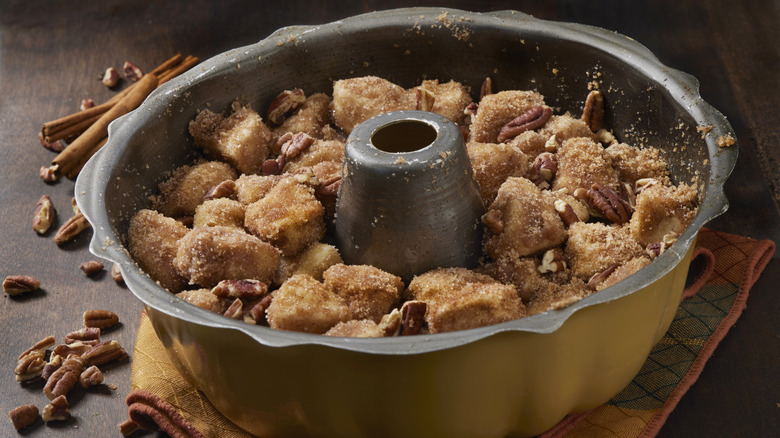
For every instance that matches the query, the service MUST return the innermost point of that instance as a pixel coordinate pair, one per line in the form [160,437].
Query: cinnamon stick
[188,63]
[70,158]
[83,159]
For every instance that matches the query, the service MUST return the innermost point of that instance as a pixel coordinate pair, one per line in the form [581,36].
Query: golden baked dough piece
[303,304]
[153,240]
[450,99]
[493,164]
[356,100]
[289,217]
[250,188]
[364,328]
[313,261]
[326,170]
[531,143]
[310,118]
[219,212]
[565,127]
[496,110]
[208,255]
[521,221]
[320,151]
[204,299]
[368,291]
[181,194]
[623,271]
[459,299]
[634,163]
[661,210]
[523,273]
[594,247]
[558,296]
[241,139]
[581,163]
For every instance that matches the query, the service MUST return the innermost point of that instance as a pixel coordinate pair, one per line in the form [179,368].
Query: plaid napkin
[723,270]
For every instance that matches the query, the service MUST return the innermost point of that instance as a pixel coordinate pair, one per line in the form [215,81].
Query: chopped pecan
[100,318]
[601,276]
[593,113]
[657,248]
[412,317]
[54,146]
[78,348]
[225,189]
[104,352]
[86,103]
[65,378]
[607,202]
[110,77]
[552,261]
[304,175]
[44,215]
[71,228]
[532,119]
[132,71]
[23,416]
[425,99]
[492,219]
[235,310]
[30,366]
[566,212]
[551,145]
[284,104]
[273,166]
[39,346]
[471,109]
[486,88]
[391,323]
[90,377]
[329,188]
[255,313]
[544,168]
[49,174]
[153,413]
[19,284]
[56,410]
[54,363]
[91,267]
[246,289]
[83,334]
[297,144]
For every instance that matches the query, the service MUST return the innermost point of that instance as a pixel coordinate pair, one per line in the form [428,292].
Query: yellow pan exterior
[509,384]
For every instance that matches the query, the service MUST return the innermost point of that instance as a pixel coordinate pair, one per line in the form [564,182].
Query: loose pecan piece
[127,427]
[56,410]
[297,144]
[71,228]
[225,189]
[543,170]
[657,248]
[23,416]
[235,310]
[566,212]
[100,318]
[492,219]
[132,71]
[532,119]
[90,377]
[552,261]
[116,274]
[412,317]
[486,88]
[65,378]
[593,112]
[44,215]
[284,104]
[54,146]
[151,412]
[255,313]
[328,189]
[19,284]
[54,363]
[104,352]
[48,174]
[39,346]
[245,289]
[601,276]
[273,166]
[84,335]
[30,366]
[91,267]
[425,99]
[608,203]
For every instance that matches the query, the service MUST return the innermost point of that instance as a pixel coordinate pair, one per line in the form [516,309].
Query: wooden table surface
[51,54]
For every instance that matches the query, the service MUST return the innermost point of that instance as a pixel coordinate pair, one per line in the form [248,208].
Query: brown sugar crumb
[633,163]
[241,139]
[289,217]
[303,304]
[725,141]
[250,188]
[207,255]
[594,247]
[182,193]
[320,151]
[313,261]
[661,210]
[581,163]
[527,221]
[356,100]
[523,273]
[365,328]
[460,299]
[496,110]
[204,299]
[565,127]
[153,240]
[368,291]
[450,99]
[219,212]
[493,164]
[310,118]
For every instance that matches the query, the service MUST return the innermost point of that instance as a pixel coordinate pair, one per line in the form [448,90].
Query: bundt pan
[512,379]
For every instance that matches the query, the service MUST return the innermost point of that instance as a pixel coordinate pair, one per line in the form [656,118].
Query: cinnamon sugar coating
[204,299]
[365,328]
[565,127]
[320,151]
[633,163]
[661,210]
[530,143]
[624,271]
[493,164]
[219,212]
[460,299]
[241,138]
[530,223]
[356,100]
[313,261]
[153,240]
[450,99]
[303,304]
[184,190]
[581,163]
[289,217]
[208,255]
[558,296]
[368,291]
[250,188]
[496,110]
[310,118]
[594,247]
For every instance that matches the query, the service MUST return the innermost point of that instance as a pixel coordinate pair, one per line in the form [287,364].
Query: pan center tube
[408,201]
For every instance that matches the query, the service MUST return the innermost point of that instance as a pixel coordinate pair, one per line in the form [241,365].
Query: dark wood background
[51,54]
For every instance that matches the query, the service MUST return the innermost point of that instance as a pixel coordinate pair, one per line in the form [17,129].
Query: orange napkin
[723,270]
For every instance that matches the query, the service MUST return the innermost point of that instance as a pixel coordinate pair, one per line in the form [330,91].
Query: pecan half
[56,410]
[23,416]
[608,203]
[54,363]
[425,99]
[601,276]
[391,323]
[65,378]
[71,228]
[486,88]
[492,220]
[284,104]
[83,335]
[151,412]
[552,261]
[593,112]
[78,348]
[91,267]
[225,189]
[104,352]
[297,144]
[412,317]
[30,366]
[19,284]
[39,346]
[566,212]
[273,166]
[44,215]
[532,119]
[90,377]
[100,318]
[235,310]
[328,189]
[543,170]
[86,103]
